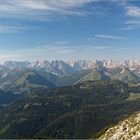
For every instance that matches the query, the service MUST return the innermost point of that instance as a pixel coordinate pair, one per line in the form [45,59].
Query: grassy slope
[66,112]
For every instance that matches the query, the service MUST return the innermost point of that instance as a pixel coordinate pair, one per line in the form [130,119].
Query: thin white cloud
[131,25]
[41,8]
[51,52]
[38,53]
[58,47]
[91,38]
[133,22]
[56,52]
[11,28]
[60,42]
[133,11]
[129,8]
[103,47]
[104,36]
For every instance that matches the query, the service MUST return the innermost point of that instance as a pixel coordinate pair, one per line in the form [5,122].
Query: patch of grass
[5,129]
[102,131]
[133,96]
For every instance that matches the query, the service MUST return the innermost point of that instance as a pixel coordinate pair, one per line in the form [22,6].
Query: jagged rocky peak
[12,64]
[111,63]
[83,64]
[39,63]
[60,67]
[78,64]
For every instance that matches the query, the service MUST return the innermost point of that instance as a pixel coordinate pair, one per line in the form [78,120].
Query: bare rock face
[129,129]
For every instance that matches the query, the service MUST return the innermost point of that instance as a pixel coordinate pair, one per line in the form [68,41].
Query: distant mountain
[129,76]
[56,67]
[13,64]
[84,64]
[60,67]
[98,73]
[23,80]
[9,76]
[3,70]
[124,130]
[29,80]
[124,74]
[62,73]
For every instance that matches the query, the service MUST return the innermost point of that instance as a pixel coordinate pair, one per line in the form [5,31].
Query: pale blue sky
[69,29]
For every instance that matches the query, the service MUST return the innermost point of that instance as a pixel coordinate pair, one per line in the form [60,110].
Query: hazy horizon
[117,61]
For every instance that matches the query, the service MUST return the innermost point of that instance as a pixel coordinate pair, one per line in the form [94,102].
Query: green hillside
[30,80]
[7,97]
[124,74]
[69,112]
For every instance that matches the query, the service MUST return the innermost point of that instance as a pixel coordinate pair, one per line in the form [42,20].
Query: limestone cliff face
[125,130]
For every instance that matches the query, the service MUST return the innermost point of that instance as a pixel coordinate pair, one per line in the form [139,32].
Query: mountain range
[68,100]
[60,67]
[17,75]
[82,111]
